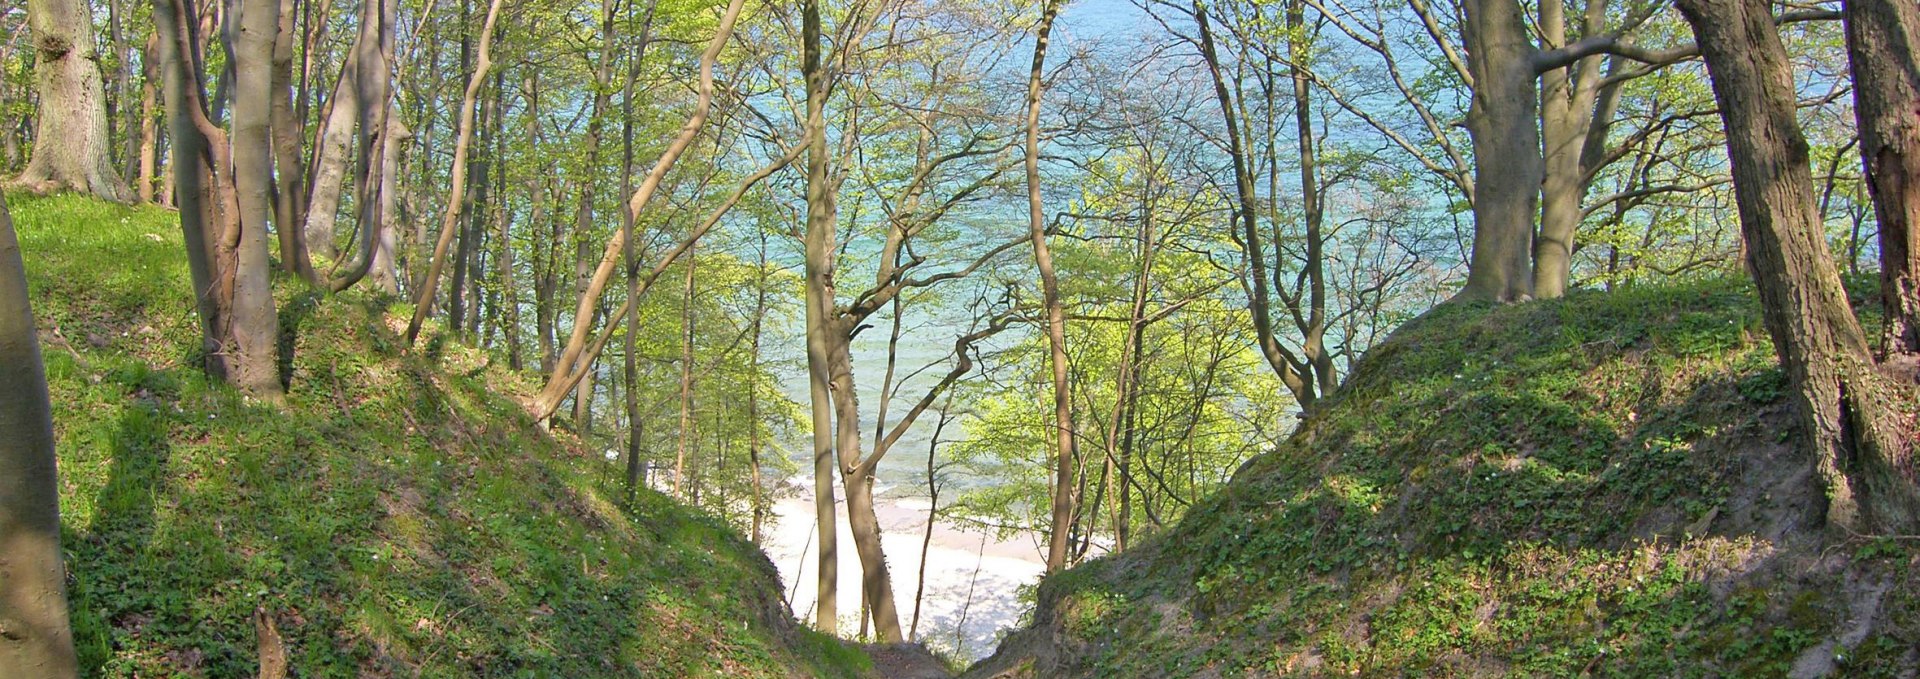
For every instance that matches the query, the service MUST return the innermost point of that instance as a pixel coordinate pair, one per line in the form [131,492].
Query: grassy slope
[396,516]
[1601,484]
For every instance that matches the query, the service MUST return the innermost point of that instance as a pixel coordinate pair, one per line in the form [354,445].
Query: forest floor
[1602,485]
[397,515]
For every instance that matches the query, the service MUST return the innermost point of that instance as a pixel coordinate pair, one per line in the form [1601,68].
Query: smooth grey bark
[256,327]
[1506,146]
[37,639]
[71,149]
[819,243]
[1862,447]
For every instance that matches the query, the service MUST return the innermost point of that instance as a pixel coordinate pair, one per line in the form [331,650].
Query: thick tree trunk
[1506,140]
[1883,43]
[33,599]
[819,243]
[1861,445]
[71,148]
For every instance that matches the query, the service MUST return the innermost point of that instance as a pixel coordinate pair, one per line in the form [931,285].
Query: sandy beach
[973,580]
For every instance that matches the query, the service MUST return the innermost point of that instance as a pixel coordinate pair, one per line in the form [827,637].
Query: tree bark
[1861,445]
[686,377]
[289,133]
[33,599]
[1883,38]
[256,328]
[149,121]
[819,242]
[575,361]
[71,149]
[1066,460]
[456,196]
[1291,371]
[1506,142]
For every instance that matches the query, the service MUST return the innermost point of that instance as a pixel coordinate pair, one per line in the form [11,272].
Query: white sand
[970,576]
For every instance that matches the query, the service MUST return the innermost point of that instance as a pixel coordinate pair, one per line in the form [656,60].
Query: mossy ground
[397,515]
[1603,484]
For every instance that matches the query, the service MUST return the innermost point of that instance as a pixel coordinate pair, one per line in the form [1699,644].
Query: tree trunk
[456,196]
[574,363]
[384,273]
[1065,459]
[1883,38]
[71,148]
[819,241]
[1862,449]
[322,208]
[256,328]
[1506,139]
[33,599]
[1290,370]
[289,133]
[149,120]
[686,378]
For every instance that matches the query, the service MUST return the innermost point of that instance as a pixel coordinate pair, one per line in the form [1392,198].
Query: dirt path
[906,661]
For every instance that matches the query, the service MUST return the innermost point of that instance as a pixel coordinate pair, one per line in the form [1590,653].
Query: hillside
[1599,485]
[398,515]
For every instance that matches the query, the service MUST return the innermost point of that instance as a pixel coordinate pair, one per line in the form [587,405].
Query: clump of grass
[397,515]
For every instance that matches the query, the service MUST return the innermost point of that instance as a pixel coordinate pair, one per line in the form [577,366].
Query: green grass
[398,515]
[1599,485]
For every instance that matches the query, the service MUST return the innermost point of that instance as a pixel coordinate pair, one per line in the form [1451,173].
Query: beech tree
[223,215]
[1863,445]
[71,149]
[1065,460]
[33,600]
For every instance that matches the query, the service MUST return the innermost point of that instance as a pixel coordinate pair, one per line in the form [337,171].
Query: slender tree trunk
[686,377]
[575,360]
[289,133]
[1502,121]
[450,221]
[933,513]
[1291,371]
[373,93]
[384,274]
[1313,346]
[753,389]
[71,149]
[33,598]
[1862,446]
[1883,39]
[819,243]
[321,210]
[1065,459]
[149,120]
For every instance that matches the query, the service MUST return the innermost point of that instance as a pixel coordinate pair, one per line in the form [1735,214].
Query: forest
[990,338]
